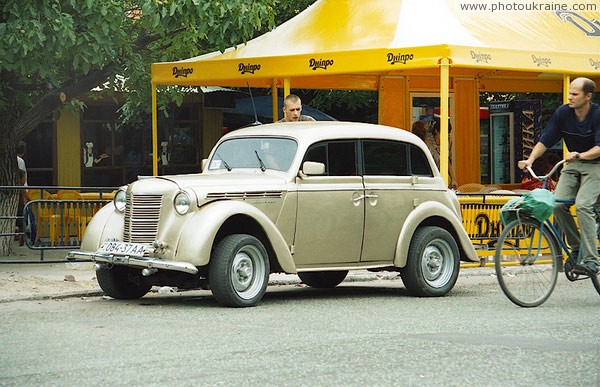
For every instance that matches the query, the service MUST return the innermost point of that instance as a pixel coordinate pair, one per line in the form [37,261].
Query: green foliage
[287,9]
[49,45]
[350,105]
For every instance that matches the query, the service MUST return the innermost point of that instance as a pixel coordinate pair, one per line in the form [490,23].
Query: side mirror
[313,168]
[203,164]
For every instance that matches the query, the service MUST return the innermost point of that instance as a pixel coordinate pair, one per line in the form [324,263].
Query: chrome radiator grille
[142,214]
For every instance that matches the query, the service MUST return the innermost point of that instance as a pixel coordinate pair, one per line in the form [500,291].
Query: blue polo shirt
[579,136]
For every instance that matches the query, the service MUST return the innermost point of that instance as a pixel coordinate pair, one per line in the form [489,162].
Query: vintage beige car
[313,198]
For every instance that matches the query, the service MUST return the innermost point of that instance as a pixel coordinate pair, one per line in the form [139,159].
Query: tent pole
[275,100]
[444,111]
[566,85]
[286,87]
[154,133]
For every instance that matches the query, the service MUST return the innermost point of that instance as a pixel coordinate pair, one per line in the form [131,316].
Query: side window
[339,157]
[385,158]
[418,162]
[317,153]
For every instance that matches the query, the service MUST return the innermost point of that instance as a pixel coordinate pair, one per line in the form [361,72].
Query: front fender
[199,232]
[417,217]
[107,223]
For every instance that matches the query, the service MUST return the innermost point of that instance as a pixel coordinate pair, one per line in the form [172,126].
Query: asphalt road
[358,334]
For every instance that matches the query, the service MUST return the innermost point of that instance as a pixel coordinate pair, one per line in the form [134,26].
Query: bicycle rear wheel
[527,261]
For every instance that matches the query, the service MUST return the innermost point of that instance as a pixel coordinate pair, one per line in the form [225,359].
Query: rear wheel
[433,263]
[122,282]
[323,279]
[527,262]
[239,271]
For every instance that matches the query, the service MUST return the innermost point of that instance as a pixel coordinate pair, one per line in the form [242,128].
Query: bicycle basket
[538,203]
[510,210]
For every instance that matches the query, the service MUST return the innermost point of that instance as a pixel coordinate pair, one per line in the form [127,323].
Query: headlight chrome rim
[182,203]
[120,200]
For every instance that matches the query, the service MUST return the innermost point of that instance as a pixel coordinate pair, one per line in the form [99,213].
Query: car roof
[314,131]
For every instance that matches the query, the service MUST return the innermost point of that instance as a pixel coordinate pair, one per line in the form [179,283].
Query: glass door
[503,164]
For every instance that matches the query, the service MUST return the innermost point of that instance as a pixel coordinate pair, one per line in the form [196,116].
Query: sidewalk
[32,279]
[57,278]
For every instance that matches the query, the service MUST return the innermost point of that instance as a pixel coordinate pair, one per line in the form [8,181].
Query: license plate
[123,248]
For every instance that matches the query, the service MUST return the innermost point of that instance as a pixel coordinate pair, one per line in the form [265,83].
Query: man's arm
[590,154]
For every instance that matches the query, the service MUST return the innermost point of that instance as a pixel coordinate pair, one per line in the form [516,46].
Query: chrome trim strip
[126,260]
[244,195]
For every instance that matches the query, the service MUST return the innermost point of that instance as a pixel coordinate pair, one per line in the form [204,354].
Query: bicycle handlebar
[552,172]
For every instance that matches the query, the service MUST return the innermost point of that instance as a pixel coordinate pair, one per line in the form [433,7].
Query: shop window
[39,157]
[179,140]
[114,154]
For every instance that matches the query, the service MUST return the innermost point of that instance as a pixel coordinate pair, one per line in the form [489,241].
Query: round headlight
[182,203]
[120,200]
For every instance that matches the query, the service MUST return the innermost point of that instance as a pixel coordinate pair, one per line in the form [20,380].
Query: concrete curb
[56,296]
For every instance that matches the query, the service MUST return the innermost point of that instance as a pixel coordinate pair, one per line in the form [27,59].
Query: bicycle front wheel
[527,261]
[596,282]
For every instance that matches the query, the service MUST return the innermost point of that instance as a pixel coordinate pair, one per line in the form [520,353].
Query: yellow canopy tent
[401,45]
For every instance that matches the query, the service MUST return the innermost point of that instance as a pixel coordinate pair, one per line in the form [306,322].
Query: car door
[396,175]
[330,216]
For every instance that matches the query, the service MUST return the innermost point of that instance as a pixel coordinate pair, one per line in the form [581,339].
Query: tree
[53,52]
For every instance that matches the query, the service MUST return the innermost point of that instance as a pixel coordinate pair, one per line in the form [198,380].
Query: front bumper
[125,260]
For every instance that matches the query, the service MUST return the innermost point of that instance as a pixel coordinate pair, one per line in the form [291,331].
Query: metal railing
[50,222]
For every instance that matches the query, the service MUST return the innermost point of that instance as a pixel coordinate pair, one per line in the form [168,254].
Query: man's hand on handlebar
[573,156]
[523,164]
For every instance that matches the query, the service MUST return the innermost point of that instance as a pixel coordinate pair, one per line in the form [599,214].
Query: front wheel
[527,262]
[122,282]
[596,282]
[433,263]
[238,273]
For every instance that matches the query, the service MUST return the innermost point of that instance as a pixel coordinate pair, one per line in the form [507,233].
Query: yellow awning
[343,37]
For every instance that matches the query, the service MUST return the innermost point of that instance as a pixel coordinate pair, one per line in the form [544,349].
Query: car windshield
[256,152]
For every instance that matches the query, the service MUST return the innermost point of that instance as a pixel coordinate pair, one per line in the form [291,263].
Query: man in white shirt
[292,107]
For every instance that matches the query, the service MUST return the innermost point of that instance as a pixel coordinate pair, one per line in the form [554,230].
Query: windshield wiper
[224,163]
[263,167]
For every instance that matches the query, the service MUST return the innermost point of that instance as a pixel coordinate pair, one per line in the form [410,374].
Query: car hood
[214,186]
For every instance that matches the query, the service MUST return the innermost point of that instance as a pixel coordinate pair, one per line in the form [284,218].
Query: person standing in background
[292,109]
[419,129]
[20,149]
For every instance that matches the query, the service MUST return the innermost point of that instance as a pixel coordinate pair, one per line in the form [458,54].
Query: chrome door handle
[361,197]
[358,198]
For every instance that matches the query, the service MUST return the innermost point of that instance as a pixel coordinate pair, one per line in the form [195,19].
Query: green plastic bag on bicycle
[538,203]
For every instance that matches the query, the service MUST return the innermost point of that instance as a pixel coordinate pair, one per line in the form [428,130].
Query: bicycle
[529,254]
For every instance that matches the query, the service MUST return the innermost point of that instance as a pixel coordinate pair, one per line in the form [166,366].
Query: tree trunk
[9,199]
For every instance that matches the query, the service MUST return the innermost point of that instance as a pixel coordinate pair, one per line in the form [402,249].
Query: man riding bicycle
[578,123]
